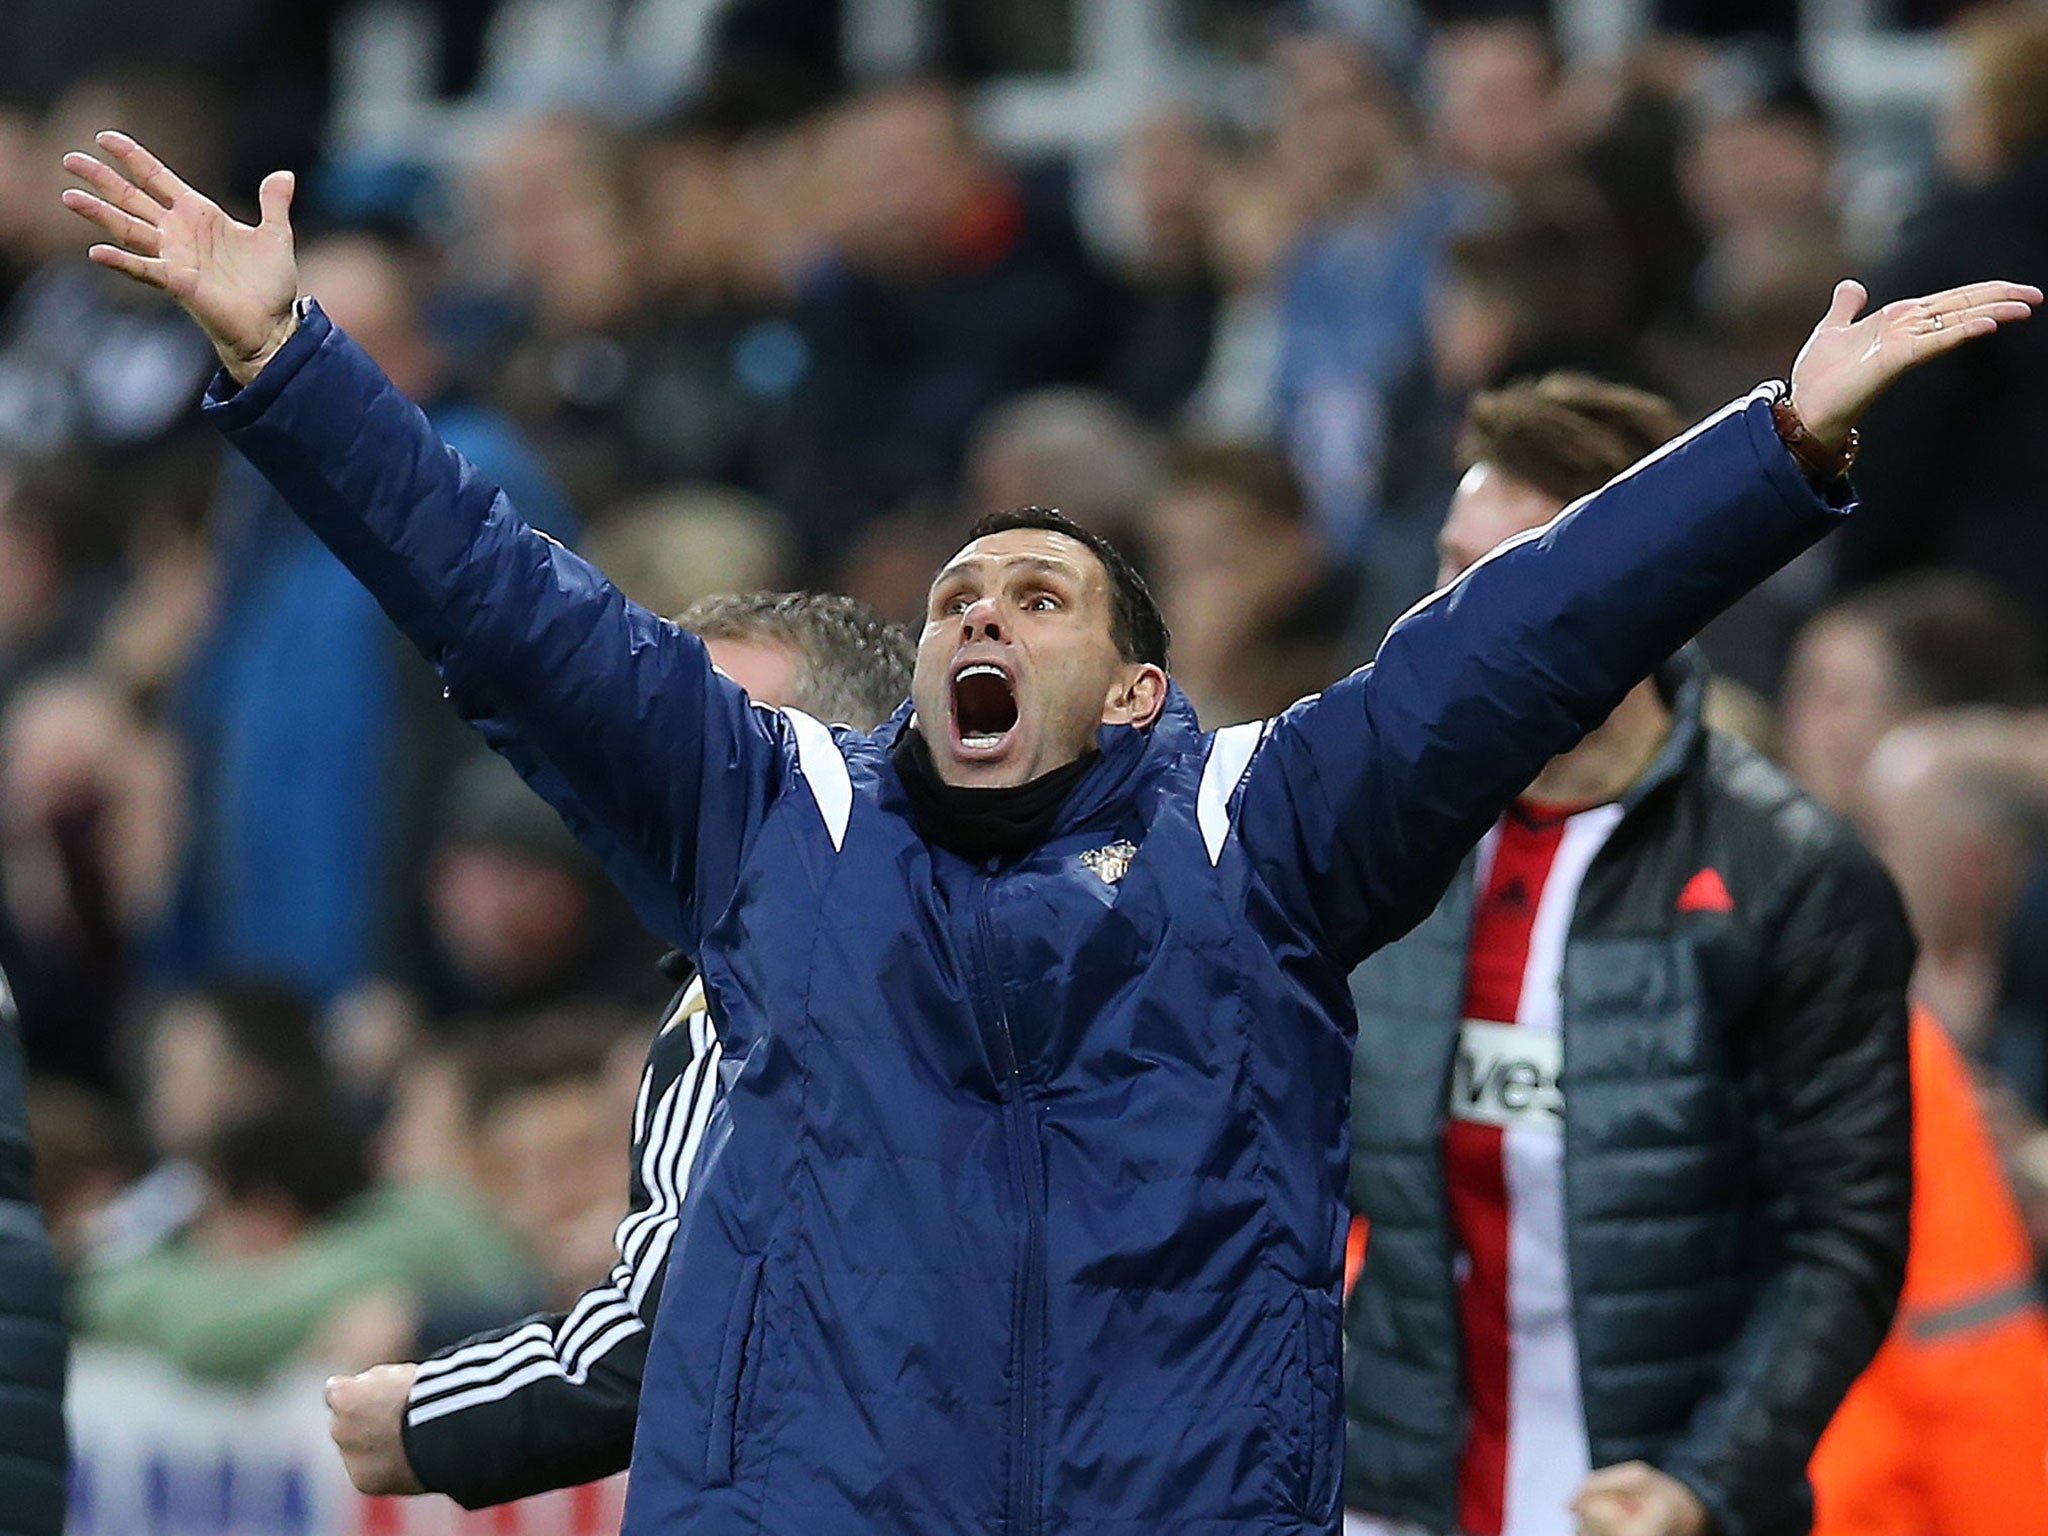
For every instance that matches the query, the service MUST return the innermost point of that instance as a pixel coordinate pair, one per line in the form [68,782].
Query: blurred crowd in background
[319,998]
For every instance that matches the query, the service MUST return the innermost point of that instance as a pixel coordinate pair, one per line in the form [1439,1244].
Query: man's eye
[1044,602]
[954,605]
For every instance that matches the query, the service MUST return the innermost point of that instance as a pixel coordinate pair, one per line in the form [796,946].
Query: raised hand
[238,281]
[1847,363]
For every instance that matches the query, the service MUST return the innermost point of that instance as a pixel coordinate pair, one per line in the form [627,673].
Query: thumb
[1850,297]
[274,197]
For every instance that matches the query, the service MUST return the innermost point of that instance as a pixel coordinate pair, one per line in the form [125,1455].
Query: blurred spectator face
[1253,221]
[87,1151]
[1166,171]
[1490,506]
[767,670]
[1472,333]
[510,921]
[551,1160]
[194,1082]
[1240,576]
[898,167]
[22,180]
[365,289]
[1494,98]
[1998,114]
[426,1131]
[553,197]
[1225,566]
[1078,449]
[1549,275]
[696,239]
[1927,640]
[1760,286]
[1954,825]
[76,759]
[670,548]
[1841,695]
[1757,168]
[30,574]
[1339,135]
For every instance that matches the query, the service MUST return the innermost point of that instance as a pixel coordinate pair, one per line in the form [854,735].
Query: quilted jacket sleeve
[1361,801]
[659,762]
[1827,1048]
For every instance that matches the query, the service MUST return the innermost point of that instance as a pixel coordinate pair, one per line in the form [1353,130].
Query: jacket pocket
[734,1373]
[1312,1392]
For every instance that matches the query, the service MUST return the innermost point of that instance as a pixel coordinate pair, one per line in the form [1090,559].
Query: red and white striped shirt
[1525,1452]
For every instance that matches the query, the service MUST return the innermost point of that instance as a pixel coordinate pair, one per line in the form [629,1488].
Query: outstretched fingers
[144,269]
[143,168]
[1976,295]
[113,187]
[1928,336]
[132,233]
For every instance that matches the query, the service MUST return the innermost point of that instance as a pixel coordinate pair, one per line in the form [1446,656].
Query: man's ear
[1137,697]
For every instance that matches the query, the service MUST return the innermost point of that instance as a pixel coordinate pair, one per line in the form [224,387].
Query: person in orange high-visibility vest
[1946,1434]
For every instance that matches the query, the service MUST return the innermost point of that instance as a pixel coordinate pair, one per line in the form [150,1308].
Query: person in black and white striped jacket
[550,1401]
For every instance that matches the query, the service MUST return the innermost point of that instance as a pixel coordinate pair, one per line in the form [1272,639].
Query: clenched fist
[1635,1499]
[368,1411]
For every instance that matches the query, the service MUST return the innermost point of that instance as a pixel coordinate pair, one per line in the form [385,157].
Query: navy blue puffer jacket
[1023,1209]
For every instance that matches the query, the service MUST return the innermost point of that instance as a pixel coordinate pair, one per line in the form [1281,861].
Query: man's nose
[982,620]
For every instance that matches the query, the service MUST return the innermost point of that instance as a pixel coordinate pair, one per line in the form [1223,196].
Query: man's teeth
[979,669]
[981,739]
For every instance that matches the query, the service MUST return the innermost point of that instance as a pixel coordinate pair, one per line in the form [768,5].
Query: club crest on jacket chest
[1112,862]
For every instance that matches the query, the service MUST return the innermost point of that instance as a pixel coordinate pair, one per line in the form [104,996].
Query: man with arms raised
[1027,1202]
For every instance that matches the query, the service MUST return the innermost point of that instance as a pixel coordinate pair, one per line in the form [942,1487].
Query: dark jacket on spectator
[33,1455]
[1737,1154]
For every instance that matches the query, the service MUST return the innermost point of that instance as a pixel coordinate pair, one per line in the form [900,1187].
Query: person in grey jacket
[1630,1120]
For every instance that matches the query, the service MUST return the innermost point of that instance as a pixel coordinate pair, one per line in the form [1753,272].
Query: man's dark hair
[1566,434]
[854,665]
[1955,638]
[1136,625]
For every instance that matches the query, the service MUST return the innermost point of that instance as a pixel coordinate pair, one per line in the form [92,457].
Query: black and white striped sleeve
[550,1402]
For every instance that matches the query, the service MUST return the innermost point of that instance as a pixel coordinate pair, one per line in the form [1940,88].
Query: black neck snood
[983,823]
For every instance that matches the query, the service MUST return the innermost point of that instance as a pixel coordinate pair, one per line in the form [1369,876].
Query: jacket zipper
[1017,1118]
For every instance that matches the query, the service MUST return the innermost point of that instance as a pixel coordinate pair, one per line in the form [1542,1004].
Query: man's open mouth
[984,706]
